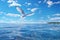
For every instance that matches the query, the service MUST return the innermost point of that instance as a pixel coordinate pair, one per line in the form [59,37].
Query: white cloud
[28,8]
[27,3]
[58,14]
[50,3]
[10,1]
[13,15]
[13,3]
[55,19]
[33,9]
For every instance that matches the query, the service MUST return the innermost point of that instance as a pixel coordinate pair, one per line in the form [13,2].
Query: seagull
[22,12]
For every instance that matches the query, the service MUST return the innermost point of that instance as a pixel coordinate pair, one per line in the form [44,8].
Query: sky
[43,11]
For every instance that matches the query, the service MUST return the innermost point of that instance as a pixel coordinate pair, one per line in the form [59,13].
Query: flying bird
[23,13]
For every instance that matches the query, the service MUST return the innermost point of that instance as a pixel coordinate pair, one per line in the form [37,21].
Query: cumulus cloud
[55,19]
[58,14]
[28,8]
[13,15]
[50,3]
[33,9]
[27,3]
[10,1]
[13,3]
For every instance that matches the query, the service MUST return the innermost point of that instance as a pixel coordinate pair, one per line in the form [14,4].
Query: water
[29,32]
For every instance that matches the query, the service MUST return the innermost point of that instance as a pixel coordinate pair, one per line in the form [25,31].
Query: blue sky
[44,11]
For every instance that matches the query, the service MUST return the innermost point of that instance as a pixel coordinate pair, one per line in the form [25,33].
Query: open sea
[29,31]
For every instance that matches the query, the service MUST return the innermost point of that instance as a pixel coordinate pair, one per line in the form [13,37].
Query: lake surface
[29,32]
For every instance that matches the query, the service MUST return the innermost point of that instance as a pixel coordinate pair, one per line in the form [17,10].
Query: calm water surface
[29,32]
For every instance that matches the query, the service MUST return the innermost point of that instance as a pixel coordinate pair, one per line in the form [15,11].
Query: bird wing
[30,14]
[20,10]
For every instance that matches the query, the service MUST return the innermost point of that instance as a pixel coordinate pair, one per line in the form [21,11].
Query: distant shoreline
[53,22]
